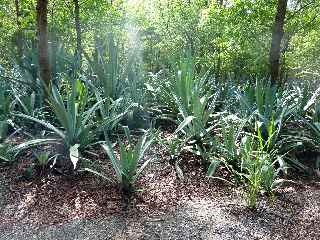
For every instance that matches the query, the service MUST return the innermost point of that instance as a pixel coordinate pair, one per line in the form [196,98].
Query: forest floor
[84,207]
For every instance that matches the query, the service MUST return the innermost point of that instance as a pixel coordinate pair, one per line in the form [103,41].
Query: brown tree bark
[19,36]
[78,30]
[277,35]
[43,48]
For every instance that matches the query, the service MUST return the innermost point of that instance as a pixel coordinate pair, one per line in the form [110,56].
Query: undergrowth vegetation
[255,129]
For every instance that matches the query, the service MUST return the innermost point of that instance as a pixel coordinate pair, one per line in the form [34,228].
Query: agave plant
[305,98]
[302,132]
[271,107]
[196,106]
[174,145]
[119,85]
[5,102]
[75,120]
[28,69]
[258,168]
[112,112]
[225,146]
[304,138]
[9,152]
[42,160]
[245,156]
[5,155]
[128,167]
[26,103]
[105,66]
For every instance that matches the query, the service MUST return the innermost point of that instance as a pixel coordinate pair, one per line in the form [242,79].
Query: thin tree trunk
[277,35]
[43,48]
[78,29]
[19,40]
[218,66]
[53,60]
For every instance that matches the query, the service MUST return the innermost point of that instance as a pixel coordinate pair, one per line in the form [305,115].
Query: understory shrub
[72,115]
[5,102]
[128,166]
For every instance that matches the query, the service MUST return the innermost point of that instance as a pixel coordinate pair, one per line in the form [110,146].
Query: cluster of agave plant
[80,109]
[253,129]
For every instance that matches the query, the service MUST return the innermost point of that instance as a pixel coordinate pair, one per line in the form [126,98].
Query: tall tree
[277,35]
[43,49]
[78,29]
[19,35]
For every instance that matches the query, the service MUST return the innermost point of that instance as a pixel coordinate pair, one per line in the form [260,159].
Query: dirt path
[294,215]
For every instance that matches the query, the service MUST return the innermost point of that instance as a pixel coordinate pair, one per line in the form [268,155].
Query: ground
[164,207]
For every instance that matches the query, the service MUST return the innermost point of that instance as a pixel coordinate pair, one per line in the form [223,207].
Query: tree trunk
[43,49]
[277,35]
[53,59]
[78,30]
[19,36]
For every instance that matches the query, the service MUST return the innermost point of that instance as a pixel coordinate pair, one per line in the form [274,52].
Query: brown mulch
[54,200]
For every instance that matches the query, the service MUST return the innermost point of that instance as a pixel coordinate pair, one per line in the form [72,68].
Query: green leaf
[115,163]
[96,173]
[45,124]
[179,171]
[215,163]
[183,124]
[74,155]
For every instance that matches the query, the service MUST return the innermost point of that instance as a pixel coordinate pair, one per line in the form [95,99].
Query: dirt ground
[164,207]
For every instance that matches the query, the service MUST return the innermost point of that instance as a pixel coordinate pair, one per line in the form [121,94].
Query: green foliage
[127,167]
[248,157]
[314,128]
[301,132]
[104,64]
[174,145]
[111,112]
[42,159]
[225,147]
[5,155]
[26,104]
[9,152]
[201,56]
[258,169]
[270,108]
[196,105]
[5,102]
[73,117]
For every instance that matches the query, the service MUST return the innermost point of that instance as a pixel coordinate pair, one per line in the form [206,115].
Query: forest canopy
[230,37]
